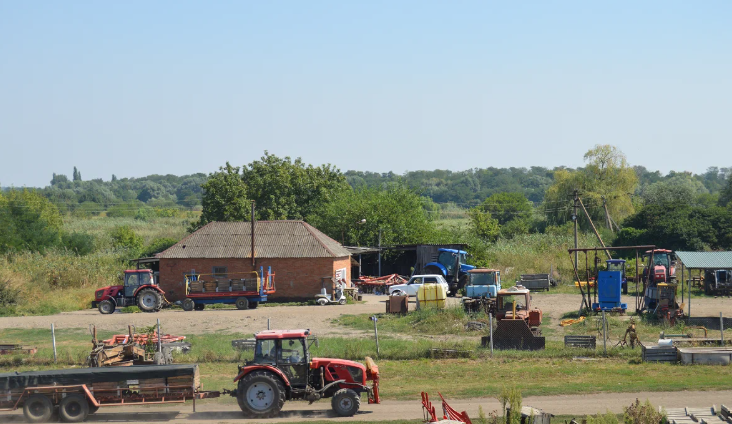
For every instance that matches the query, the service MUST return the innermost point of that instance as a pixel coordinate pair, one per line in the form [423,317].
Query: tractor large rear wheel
[345,402]
[148,300]
[260,394]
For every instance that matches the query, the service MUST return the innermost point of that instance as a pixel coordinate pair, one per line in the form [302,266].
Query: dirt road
[579,405]
[317,318]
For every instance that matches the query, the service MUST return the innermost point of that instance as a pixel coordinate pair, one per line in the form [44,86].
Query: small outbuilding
[303,259]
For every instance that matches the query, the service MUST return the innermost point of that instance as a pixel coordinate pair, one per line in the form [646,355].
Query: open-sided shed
[700,262]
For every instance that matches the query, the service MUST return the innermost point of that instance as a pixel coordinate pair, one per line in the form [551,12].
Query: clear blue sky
[141,87]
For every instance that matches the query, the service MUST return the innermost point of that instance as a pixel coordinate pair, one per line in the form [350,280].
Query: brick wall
[296,279]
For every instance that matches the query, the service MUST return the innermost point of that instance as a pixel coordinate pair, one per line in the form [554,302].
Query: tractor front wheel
[148,300]
[260,394]
[106,307]
[345,402]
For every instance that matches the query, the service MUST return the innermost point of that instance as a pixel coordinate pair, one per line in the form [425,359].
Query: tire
[106,307]
[462,282]
[708,288]
[199,306]
[148,300]
[73,408]
[38,409]
[322,302]
[260,394]
[342,301]
[397,293]
[345,402]
[188,304]
[242,303]
[253,305]
[625,288]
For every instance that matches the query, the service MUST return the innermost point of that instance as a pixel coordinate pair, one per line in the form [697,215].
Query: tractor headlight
[99,294]
[356,374]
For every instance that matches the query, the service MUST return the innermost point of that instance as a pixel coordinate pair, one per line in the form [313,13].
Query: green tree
[681,188]
[395,210]
[77,175]
[607,177]
[725,197]
[483,224]
[157,246]
[224,198]
[28,221]
[124,237]
[286,189]
[507,206]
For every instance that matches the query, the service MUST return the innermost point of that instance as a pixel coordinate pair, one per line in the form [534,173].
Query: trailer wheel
[37,409]
[73,408]
[253,305]
[200,306]
[242,303]
[345,402]
[148,300]
[188,304]
[261,394]
[106,307]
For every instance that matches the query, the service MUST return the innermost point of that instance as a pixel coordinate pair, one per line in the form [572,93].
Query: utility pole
[574,218]
[254,264]
[607,215]
[379,255]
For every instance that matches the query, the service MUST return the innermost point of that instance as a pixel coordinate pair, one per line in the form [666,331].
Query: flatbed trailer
[80,392]
[244,293]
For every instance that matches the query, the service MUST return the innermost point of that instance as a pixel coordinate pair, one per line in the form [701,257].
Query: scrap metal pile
[378,285]
[132,349]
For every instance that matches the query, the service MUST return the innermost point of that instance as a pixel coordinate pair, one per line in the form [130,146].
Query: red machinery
[138,289]
[283,370]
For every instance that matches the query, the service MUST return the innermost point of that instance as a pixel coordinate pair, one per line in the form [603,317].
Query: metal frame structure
[590,297]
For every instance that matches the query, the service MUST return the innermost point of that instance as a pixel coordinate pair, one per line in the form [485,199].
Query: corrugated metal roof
[272,239]
[706,260]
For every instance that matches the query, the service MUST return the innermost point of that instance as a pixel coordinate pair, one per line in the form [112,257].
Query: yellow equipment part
[567,322]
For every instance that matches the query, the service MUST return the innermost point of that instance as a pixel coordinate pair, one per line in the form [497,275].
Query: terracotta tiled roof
[272,239]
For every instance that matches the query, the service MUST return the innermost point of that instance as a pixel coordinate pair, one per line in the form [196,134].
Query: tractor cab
[663,268]
[283,369]
[136,278]
[514,304]
[451,264]
[660,282]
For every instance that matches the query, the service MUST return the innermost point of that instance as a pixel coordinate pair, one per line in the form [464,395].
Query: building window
[219,272]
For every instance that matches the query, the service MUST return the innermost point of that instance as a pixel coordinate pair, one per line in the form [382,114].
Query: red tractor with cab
[139,289]
[282,370]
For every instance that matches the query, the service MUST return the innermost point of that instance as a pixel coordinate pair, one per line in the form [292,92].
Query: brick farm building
[302,258]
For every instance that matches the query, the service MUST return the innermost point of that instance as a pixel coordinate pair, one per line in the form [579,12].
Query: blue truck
[451,264]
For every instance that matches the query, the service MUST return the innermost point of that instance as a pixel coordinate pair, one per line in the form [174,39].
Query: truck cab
[483,283]
[452,265]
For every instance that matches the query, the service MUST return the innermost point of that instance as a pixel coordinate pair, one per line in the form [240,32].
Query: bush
[124,237]
[511,400]
[8,294]
[79,243]
[643,413]
[157,246]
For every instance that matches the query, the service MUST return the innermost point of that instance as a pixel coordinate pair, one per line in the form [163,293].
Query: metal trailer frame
[266,288]
[57,393]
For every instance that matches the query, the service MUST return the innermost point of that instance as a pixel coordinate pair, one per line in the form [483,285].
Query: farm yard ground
[553,377]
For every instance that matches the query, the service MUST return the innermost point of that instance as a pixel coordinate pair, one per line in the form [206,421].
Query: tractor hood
[104,292]
[330,362]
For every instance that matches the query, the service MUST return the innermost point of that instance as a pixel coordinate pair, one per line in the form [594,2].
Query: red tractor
[283,370]
[139,289]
